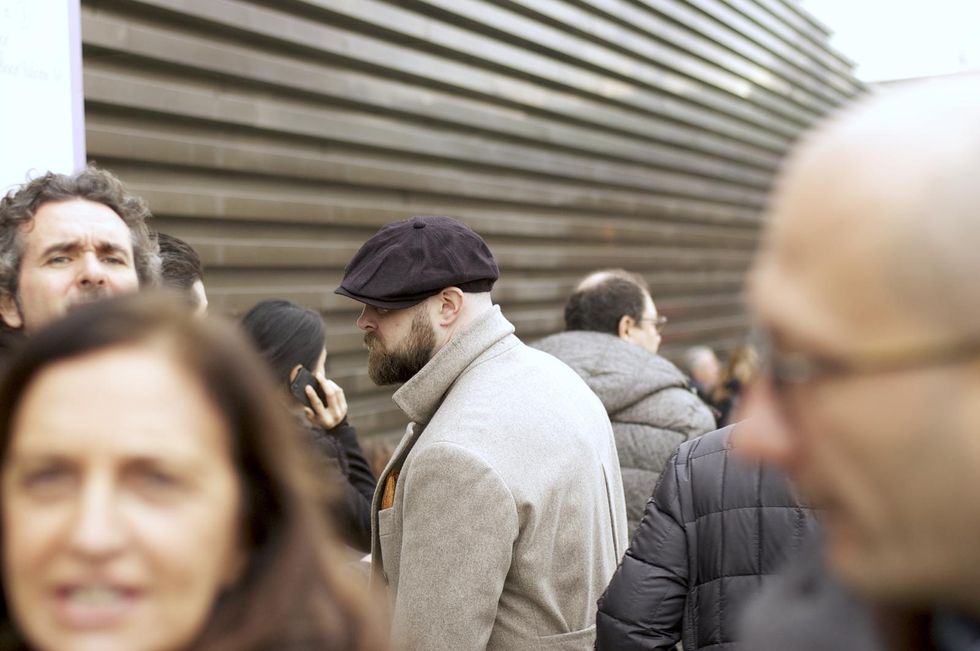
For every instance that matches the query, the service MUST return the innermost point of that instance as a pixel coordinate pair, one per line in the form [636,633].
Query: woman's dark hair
[291,593]
[286,334]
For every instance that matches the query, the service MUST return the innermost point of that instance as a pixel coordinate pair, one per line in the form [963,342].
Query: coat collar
[421,396]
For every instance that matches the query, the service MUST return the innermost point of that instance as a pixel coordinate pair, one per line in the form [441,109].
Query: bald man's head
[876,218]
[870,255]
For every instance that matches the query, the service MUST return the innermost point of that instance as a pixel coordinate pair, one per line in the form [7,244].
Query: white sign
[42,126]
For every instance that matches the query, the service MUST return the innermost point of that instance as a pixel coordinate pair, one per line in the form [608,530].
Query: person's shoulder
[714,442]
[526,365]
[573,340]
[459,457]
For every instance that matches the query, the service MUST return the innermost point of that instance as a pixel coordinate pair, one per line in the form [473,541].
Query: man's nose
[364,322]
[93,271]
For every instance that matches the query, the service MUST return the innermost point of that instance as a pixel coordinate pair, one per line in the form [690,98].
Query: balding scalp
[879,209]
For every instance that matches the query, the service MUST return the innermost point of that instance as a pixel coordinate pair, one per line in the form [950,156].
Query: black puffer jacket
[716,529]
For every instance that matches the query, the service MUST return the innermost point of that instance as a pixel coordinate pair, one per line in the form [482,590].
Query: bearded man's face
[401,360]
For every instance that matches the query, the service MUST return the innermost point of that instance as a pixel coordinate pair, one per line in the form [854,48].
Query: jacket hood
[619,372]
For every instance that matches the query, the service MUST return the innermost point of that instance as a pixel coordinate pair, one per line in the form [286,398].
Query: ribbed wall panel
[277,135]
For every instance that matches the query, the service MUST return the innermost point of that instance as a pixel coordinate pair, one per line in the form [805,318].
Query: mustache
[89,295]
[371,340]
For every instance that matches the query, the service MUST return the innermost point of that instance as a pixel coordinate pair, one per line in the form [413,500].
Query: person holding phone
[292,339]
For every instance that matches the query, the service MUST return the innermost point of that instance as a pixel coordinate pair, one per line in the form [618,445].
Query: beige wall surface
[277,135]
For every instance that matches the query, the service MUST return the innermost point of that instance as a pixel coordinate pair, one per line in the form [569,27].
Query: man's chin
[854,560]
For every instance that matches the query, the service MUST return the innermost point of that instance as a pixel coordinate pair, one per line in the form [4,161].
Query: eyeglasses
[795,368]
[658,322]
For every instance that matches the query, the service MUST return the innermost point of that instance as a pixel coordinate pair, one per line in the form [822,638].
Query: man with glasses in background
[718,527]
[611,339]
[865,288]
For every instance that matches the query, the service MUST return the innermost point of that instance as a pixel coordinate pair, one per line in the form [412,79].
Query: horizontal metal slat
[700,36]
[120,36]
[301,118]
[393,58]
[697,82]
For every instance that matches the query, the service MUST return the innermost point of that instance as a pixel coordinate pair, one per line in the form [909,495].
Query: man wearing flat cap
[500,518]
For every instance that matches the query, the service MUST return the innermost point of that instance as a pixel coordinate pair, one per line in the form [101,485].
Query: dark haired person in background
[740,369]
[181,269]
[153,498]
[705,370]
[611,340]
[291,337]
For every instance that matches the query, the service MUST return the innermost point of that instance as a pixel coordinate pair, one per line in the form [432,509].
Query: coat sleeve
[459,526]
[358,469]
[359,488]
[643,607]
[349,473]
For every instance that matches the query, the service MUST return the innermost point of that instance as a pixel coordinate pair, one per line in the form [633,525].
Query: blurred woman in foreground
[152,497]
[292,339]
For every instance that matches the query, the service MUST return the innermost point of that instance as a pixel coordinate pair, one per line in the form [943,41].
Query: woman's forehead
[127,398]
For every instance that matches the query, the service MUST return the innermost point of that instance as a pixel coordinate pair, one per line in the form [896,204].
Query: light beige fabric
[508,518]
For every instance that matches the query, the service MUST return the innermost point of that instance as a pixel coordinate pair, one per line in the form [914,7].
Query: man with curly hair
[71,239]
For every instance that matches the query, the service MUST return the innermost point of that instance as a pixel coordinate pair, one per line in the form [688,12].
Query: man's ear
[626,323]
[450,305]
[10,312]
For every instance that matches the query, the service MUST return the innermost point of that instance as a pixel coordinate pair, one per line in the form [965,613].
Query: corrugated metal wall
[277,135]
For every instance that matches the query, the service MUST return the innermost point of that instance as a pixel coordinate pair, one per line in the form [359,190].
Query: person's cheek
[762,433]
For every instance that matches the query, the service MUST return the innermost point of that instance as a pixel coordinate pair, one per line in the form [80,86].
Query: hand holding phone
[302,380]
[325,400]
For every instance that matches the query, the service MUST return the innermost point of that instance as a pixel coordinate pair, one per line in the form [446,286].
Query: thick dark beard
[397,366]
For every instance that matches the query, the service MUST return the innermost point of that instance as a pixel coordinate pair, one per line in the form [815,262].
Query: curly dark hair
[92,184]
[603,298]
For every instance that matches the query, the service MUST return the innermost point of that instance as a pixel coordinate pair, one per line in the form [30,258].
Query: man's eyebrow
[61,247]
[105,246]
[73,246]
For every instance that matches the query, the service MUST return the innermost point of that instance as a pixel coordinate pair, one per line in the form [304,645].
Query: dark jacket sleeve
[643,607]
[359,473]
[352,510]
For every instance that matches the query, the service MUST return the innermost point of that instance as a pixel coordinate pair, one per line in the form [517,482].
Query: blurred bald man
[865,290]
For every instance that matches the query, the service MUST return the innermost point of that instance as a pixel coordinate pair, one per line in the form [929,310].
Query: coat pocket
[389,544]
[386,522]
[583,640]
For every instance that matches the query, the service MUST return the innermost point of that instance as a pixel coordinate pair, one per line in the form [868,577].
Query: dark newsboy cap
[406,262]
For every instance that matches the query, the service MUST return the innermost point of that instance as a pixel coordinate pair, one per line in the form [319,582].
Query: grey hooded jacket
[648,400]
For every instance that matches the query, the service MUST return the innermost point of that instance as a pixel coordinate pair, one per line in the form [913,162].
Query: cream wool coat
[508,517]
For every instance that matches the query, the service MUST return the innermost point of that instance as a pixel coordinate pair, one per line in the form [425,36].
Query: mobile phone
[302,380]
